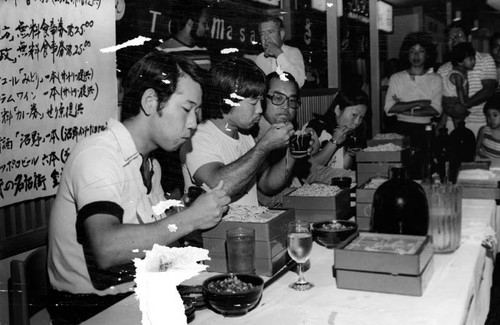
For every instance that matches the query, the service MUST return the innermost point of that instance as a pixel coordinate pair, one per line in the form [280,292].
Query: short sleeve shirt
[209,144]
[401,85]
[102,168]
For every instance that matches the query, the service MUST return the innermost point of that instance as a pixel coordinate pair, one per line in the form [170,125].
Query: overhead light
[458,15]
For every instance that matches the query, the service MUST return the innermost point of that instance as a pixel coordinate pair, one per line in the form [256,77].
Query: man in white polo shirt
[104,214]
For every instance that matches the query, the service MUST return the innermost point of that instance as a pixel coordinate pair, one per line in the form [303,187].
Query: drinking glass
[241,250]
[299,245]
[445,216]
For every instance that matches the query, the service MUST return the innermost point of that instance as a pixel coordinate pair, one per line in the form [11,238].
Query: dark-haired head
[459,24]
[424,40]
[183,11]
[492,103]
[462,51]
[230,81]
[493,39]
[343,100]
[284,76]
[281,85]
[159,71]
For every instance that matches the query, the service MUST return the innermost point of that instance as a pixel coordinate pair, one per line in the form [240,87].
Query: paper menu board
[57,87]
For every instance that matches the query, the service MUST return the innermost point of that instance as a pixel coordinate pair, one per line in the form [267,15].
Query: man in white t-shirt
[223,148]
[482,79]
[276,53]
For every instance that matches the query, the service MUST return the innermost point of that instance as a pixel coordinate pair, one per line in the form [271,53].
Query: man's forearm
[481,96]
[240,173]
[277,176]
[401,107]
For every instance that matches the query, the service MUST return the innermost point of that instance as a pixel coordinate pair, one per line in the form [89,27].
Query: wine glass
[299,245]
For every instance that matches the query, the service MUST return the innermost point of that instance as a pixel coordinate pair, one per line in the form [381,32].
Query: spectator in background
[103,215]
[495,53]
[191,24]
[414,94]
[482,79]
[276,53]
[456,85]
[488,139]
[223,149]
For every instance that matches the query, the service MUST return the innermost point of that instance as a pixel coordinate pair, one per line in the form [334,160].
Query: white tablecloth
[458,292]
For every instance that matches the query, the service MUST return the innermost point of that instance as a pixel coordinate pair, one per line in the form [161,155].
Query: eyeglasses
[279,98]
[458,35]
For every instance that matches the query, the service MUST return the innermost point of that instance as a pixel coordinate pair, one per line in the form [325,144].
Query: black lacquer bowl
[332,233]
[234,303]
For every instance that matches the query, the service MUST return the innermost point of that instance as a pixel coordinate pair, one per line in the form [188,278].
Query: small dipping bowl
[342,182]
[332,233]
[230,302]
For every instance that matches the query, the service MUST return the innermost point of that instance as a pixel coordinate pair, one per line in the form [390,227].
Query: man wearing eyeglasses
[280,105]
[482,79]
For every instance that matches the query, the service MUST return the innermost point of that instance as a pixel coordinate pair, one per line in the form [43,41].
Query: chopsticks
[282,271]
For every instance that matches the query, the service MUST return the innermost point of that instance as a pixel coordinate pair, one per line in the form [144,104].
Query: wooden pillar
[377,111]
[333,31]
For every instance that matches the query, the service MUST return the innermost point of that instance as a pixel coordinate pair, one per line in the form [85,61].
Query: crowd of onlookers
[460,92]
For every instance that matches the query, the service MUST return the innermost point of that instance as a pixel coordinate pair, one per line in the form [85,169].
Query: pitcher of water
[445,216]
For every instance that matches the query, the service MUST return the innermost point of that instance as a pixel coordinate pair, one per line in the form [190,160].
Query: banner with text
[56,88]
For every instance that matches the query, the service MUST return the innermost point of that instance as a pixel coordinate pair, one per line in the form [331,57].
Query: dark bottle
[428,156]
[400,206]
[461,148]
[441,154]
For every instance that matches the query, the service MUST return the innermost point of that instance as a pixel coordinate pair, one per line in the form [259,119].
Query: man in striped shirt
[482,79]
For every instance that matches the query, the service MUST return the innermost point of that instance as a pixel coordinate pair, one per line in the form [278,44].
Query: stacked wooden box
[378,163]
[400,264]
[364,201]
[402,141]
[320,208]
[270,241]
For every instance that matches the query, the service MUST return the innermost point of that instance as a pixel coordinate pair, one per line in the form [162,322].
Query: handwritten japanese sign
[56,88]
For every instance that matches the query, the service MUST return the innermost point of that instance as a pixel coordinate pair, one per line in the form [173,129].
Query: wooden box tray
[320,208]
[271,224]
[392,156]
[402,142]
[400,264]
